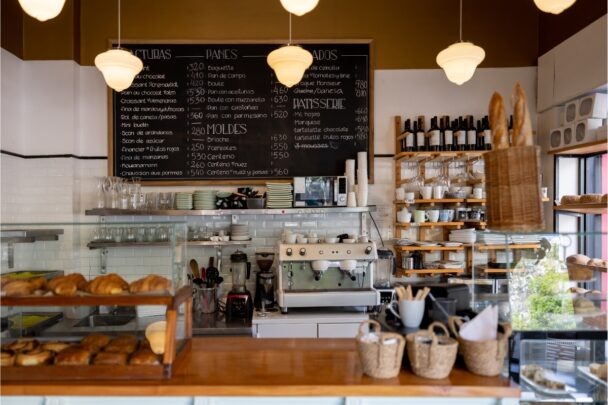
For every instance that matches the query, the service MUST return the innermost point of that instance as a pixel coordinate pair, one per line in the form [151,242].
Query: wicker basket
[380,360]
[513,189]
[484,357]
[431,356]
[579,272]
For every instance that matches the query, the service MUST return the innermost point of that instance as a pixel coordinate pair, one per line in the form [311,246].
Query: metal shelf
[263,211]
[29,235]
[430,271]
[110,245]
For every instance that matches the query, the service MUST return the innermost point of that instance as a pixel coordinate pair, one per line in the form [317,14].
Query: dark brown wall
[12,27]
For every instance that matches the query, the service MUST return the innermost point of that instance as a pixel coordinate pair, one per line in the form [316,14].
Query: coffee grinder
[239,304]
[264,281]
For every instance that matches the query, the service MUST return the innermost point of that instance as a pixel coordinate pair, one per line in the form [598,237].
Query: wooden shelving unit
[430,271]
[522,246]
[430,248]
[582,149]
[431,201]
[429,224]
[599,209]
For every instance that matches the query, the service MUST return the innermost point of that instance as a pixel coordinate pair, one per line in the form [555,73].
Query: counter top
[244,366]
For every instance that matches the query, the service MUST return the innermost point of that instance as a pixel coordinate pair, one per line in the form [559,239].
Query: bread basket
[431,356]
[484,357]
[381,356]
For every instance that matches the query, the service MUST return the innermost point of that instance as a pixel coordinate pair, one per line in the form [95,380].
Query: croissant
[109,284]
[73,278]
[498,122]
[522,125]
[150,283]
[17,288]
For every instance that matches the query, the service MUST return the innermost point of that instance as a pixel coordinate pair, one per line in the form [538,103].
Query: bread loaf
[95,341]
[498,122]
[34,357]
[578,259]
[151,283]
[16,288]
[144,356]
[110,284]
[73,356]
[55,347]
[570,199]
[522,125]
[117,359]
[591,199]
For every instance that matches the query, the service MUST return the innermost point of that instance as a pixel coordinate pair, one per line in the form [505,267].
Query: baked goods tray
[546,390]
[90,299]
[584,370]
[89,372]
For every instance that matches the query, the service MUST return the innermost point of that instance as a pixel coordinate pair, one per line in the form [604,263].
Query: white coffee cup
[433,215]
[400,194]
[404,216]
[363,239]
[291,238]
[478,192]
[410,312]
[426,192]
[302,239]
[438,192]
[409,196]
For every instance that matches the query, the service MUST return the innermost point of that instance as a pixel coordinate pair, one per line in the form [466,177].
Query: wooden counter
[244,366]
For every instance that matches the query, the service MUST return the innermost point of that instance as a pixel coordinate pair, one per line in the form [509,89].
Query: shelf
[430,271]
[476,223]
[601,208]
[434,155]
[89,299]
[582,149]
[428,224]
[509,247]
[110,245]
[429,248]
[431,201]
[29,235]
[481,201]
[263,211]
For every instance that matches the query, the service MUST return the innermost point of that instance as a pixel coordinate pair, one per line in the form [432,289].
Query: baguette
[498,122]
[522,125]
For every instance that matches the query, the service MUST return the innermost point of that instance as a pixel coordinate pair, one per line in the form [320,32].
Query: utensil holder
[513,189]
[379,359]
[485,357]
[431,356]
[206,300]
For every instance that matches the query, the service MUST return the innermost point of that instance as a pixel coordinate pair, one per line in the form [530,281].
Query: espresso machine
[326,275]
[239,304]
[264,281]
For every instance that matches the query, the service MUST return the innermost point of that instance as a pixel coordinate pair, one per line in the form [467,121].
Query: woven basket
[484,357]
[380,360]
[513,189]
[579,272]
[431,356]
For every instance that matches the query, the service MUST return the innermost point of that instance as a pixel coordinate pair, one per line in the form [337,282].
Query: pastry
[144,356]
[7,358]
[596,263]
[498,122]
[95,342]
[73,278]
[522,125]
[591,199]
[65,289]
[55,347]
[151,283]
[118,359]
[73,356]
[109,284]
[570,199]
[122,344]
[578,259]
[38,283]
[34,357]
[600,370]
[23,345]
[16,288]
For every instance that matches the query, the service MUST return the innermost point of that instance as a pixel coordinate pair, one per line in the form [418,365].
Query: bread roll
[73,278]
[65,289]
[95,340]
[16,288]
[23,345]
[151,283]
[146,357]
[578,259]
[110,284]
[34,357]
[596,263]
[570,199]
[73,356]
[55,347]
[7,358]
[522,125]
[38,283]
[498,122]
[591,199]
[107,358]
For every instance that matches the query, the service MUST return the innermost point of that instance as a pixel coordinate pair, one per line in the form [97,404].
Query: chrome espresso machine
[326,275]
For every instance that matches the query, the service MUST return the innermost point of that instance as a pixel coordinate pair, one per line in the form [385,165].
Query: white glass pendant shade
[289,63]
[299,7]
[460,60]
[42,9]
[119,67]
[553,6]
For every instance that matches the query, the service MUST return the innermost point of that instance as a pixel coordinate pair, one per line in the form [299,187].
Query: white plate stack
[239,232]
[183,201]
[279,195]
[492,238]
[463,235]
[525,239]
[204,199]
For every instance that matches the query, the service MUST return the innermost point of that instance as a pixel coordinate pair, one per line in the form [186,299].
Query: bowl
[331,240]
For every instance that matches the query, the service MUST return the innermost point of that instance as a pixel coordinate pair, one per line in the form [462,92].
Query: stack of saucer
[239,232]
[183,201]
[280,195]
[204,199]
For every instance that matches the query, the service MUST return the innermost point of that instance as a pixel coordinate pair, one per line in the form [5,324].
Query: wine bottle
[444,126]
[454,128]
[479,140]
[461,134]
[471,133]
[487,134]
[510,130]
[434,136]
[421,141]
[415,136]
[407,142]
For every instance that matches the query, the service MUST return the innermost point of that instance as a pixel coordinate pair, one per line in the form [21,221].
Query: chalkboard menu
[200,112]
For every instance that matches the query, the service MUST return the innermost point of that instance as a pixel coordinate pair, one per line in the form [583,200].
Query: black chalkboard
[215,112]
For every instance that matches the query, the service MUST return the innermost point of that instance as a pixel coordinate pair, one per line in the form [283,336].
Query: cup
[478,192]
[404,216]
[409,197]
[302,239]
[426,192]
[454,189]
[351,199]
[544,192]
[475,215]
[400,194]
[433,215]
[291,238]
[438,192]
[363,239]
[313,240]
[410,312]
[420,216]
[467,190]
[444,216]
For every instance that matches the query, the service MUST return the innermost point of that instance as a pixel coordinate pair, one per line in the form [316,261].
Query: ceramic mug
[290,238]
[410,312]
[433,215]
[478,192]
[446,215]
[409,197]
[404,216]
[420,216]
[438,192]
[426,192]
[400,194]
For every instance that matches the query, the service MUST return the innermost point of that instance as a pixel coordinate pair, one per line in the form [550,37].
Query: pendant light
[553,6]
[289,62]
[299,7]
[118,65]
[42,9]
[460,60]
